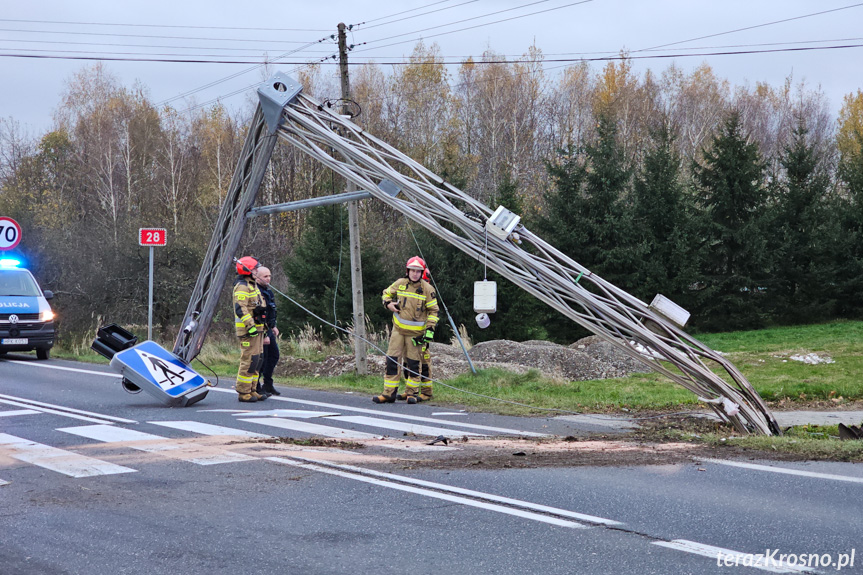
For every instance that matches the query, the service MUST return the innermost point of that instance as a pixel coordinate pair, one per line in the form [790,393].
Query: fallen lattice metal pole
[522,257]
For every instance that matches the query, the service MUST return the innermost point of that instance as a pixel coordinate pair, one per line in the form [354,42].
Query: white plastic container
[485,296]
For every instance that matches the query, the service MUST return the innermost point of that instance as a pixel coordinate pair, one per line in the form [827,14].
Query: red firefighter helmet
[246,265]
[427,275]
[416,263]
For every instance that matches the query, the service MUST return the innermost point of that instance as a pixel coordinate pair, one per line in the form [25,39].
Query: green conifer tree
[662,230]
[804,235]
[732,197]
[319,273]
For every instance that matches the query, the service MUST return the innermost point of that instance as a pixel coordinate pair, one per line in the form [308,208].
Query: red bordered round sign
[10,233]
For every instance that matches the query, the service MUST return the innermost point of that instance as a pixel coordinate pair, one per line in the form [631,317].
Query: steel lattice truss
[254,159]
[534,265]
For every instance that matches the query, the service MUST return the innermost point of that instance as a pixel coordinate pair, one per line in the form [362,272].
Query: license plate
[14,341]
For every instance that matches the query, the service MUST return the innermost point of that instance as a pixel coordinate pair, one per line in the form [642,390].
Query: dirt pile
[588,358]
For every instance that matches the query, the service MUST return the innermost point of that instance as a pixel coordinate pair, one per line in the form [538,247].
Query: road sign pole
[151,237]
[150,307]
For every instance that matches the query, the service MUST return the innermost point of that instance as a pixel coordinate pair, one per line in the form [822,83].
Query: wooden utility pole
[360,359]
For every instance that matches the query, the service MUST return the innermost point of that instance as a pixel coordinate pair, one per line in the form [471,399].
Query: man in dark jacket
[271,345]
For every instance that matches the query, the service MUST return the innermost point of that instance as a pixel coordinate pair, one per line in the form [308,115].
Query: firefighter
[412,301]
[249,308]
[425,393]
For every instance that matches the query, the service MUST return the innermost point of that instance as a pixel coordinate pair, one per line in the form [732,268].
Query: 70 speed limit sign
[10,233]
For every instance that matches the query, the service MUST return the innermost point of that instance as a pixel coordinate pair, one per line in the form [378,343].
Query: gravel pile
[588,358]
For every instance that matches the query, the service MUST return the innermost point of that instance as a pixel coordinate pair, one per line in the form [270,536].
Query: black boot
[268,388]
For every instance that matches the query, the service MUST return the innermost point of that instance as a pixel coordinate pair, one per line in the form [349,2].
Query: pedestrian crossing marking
[59,460]
[209,429]
[402,426]
[379,413]
[313,428]
[296,413]
[149,443]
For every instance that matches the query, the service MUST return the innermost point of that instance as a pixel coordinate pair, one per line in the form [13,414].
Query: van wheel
[43,353]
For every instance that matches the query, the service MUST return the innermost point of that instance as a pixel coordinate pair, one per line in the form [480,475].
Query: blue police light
[9,263]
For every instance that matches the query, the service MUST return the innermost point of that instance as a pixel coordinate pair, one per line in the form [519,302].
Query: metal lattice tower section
[254,159]
[534,265]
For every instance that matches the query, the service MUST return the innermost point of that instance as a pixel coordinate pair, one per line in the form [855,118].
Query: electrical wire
[384,353]
[198,359]
[470,27]
[418,15]
[150,36]
[237,74]
[752,27]
[163,25]
[404,12]
[260,63]
[122,45]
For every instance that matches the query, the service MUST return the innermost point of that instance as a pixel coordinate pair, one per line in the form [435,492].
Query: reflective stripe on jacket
[417,304]
[246,297]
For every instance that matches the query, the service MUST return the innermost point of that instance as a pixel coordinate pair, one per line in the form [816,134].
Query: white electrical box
[485,296]
[669,310]
[502,222]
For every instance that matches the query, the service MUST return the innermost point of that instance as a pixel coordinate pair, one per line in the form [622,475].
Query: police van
[26,319]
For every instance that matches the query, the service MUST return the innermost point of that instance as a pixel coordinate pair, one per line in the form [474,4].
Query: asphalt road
[94,480]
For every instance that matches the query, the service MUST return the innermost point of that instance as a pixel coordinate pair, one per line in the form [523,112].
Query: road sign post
[151,237]
[10,233]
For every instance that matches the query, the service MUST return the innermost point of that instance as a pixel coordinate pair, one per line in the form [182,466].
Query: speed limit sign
[10,233]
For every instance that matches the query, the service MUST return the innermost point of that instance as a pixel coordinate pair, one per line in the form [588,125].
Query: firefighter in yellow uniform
[414,305]
[248,304]
[425,365]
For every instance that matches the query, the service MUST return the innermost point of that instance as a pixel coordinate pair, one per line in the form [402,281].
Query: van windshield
[18,282]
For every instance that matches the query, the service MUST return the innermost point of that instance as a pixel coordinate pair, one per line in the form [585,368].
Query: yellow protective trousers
[251,357]
[402,346]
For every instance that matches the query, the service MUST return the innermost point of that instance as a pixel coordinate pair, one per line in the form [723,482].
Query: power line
[460,21]
[418,15]
[163,25]
[237,74]
[477,62]
[447,60]
[150,36]
[752,27]
[404,12]
[121,45]
[471,27]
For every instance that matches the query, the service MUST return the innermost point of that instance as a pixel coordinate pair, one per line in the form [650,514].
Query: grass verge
[764,357]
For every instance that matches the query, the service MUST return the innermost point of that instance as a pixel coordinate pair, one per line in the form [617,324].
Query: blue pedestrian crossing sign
[160,373]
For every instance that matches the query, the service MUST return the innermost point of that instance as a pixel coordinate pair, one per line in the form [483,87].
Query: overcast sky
[220,30]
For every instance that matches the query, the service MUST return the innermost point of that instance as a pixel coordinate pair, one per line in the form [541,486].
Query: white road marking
[401,426]
[155,444]
[33,404]
[59,460]
[53,411]
[298,413]
[14,412]
[207,429]
[340,433]
[312,428]
[439,413]
[89,371]
[379,413]
[429,493]
[2,483]
[474,494]
[784,470]
[713,553]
